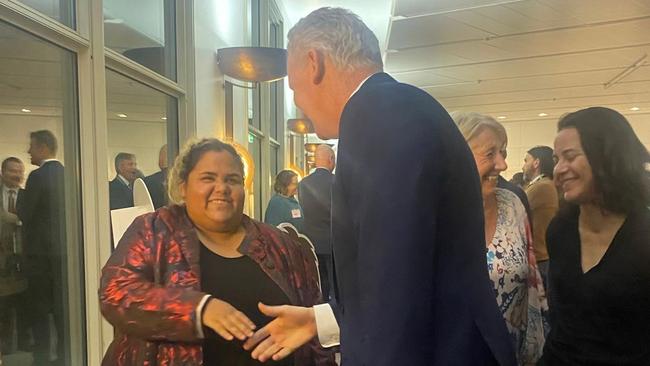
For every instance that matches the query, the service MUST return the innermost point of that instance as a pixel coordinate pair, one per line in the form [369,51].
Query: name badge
[295,213]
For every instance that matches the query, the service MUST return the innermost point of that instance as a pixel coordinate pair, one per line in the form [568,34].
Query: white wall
[14,139]
[524,135]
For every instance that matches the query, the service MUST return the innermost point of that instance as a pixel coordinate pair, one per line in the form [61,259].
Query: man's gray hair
[340,34]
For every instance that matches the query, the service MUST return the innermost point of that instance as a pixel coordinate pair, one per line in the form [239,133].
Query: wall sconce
[312,146]
[300,126]
[253,64]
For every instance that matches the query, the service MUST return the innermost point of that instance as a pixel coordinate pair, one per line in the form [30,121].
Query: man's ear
[316,61]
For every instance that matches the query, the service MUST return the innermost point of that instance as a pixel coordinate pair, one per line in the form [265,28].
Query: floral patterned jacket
[150,288]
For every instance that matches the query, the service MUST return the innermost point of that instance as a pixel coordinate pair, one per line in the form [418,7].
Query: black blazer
[42,211]
[120,195]
[157,186]
[412,285]
[315,195]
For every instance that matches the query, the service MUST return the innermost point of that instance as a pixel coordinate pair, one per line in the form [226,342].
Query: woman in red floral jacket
[183,285]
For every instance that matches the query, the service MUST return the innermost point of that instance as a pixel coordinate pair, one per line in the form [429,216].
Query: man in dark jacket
[42,212]
[120,189]
[157,182]
[315,195]
[412,286]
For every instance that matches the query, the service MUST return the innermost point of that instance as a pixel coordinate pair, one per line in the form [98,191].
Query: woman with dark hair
[599,245]
[183,285]
[283,206]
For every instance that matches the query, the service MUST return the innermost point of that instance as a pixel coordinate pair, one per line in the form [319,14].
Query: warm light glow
[635,109]
[542,114]
[502,117]
[311,146]
[300,125]
[249,164]
[164,118]
[25,110]
[122,115]
[298,171]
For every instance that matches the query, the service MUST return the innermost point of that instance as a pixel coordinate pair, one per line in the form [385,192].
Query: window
[41,266]
[143,31]
[60,10]
[141,121]
[266,107]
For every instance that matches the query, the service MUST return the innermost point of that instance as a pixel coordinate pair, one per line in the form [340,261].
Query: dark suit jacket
[408,237]
[157,186]
[315,195]
[42,211]
[120,195]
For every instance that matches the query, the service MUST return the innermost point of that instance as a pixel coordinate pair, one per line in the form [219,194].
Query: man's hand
[227,321]
[292,327]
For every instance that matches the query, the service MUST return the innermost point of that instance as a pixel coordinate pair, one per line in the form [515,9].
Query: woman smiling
[510,256]
[183,284]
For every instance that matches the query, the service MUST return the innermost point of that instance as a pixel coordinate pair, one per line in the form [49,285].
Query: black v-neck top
[241,283]
[601,317]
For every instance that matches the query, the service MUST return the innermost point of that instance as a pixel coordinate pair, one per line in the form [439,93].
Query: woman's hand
[227,321]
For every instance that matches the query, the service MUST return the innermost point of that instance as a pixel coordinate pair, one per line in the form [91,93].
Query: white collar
[537,179]
[47,161]
[124,180]
[360,85]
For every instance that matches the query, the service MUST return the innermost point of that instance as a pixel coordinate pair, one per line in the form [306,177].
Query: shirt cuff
[328,330]
[199,315]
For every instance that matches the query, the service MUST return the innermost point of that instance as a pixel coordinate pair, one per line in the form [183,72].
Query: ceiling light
[164,118]
[502,117]
[542,114]
[635,109]
[25,110]
[121,115]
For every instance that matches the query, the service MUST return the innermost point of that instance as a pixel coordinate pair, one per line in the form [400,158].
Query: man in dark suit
[315,195]
[12,284]
[42,212]
[157,182]
[120,189]
[11,195]
[412,286]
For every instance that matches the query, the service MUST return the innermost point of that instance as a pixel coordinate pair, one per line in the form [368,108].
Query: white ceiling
[520,58]
[512,58]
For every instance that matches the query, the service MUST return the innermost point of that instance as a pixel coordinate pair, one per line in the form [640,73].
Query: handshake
[291,327]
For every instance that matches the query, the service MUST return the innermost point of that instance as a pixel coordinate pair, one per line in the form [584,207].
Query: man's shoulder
[154,177]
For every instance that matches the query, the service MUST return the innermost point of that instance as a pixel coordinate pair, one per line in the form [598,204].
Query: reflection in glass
[60,10]
[143,31]
[41,257]
[142,138]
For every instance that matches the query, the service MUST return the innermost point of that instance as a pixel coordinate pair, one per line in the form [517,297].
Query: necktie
[11,203]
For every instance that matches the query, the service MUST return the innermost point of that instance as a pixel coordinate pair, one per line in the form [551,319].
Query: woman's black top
[241,283]
[601,317]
